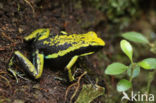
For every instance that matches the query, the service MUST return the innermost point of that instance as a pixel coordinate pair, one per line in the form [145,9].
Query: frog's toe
[14,73]
[17,74]
[22,76]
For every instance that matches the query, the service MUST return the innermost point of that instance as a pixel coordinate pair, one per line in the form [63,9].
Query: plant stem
[150,79]
[132,70]
[131,76]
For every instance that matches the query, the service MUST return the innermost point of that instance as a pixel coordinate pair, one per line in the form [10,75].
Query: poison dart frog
[62,49]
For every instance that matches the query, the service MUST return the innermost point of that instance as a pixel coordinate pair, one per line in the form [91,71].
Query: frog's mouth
[88,49]
[95,48]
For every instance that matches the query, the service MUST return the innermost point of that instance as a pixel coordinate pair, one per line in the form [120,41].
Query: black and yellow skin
[63,50]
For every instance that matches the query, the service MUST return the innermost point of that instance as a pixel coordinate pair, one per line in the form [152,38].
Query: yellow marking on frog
[36,72]
[46,42]
[63,32]
[64,52]
[11,61]
[69,65]
[76,39]
[72,62]
[26,61]
[42,33]
[87,54]
[40,62]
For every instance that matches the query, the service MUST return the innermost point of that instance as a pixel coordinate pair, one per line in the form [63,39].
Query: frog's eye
[92,34]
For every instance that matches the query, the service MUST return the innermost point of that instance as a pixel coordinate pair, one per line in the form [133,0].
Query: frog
[62,49]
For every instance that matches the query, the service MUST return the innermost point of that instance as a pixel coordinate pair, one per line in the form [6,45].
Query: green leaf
[135,73]
[135,37]
[149,63]
[123,85]
[116,68]
[127,48]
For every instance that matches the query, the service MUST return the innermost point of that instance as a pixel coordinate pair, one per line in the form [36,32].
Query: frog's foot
[17,74]
[70,76]
[78,71]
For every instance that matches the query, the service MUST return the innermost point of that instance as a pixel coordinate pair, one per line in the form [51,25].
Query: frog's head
[94,40]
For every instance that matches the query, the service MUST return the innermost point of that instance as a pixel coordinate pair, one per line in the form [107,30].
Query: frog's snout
[97,41]
[100,42]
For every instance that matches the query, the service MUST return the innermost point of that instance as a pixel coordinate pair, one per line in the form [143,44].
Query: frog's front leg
[33,70]
[69,65]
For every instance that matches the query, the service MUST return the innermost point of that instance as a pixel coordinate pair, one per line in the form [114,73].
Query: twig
[6,80]
[69,87]
[28,2]
[7,37]
[77,88]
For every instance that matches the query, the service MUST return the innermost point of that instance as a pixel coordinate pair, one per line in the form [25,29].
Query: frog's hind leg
[34,71]
[38,34]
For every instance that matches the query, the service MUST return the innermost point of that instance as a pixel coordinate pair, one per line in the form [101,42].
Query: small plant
[133,69]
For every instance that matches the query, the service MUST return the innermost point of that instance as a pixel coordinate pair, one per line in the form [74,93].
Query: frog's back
[51,45]
[61,46]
